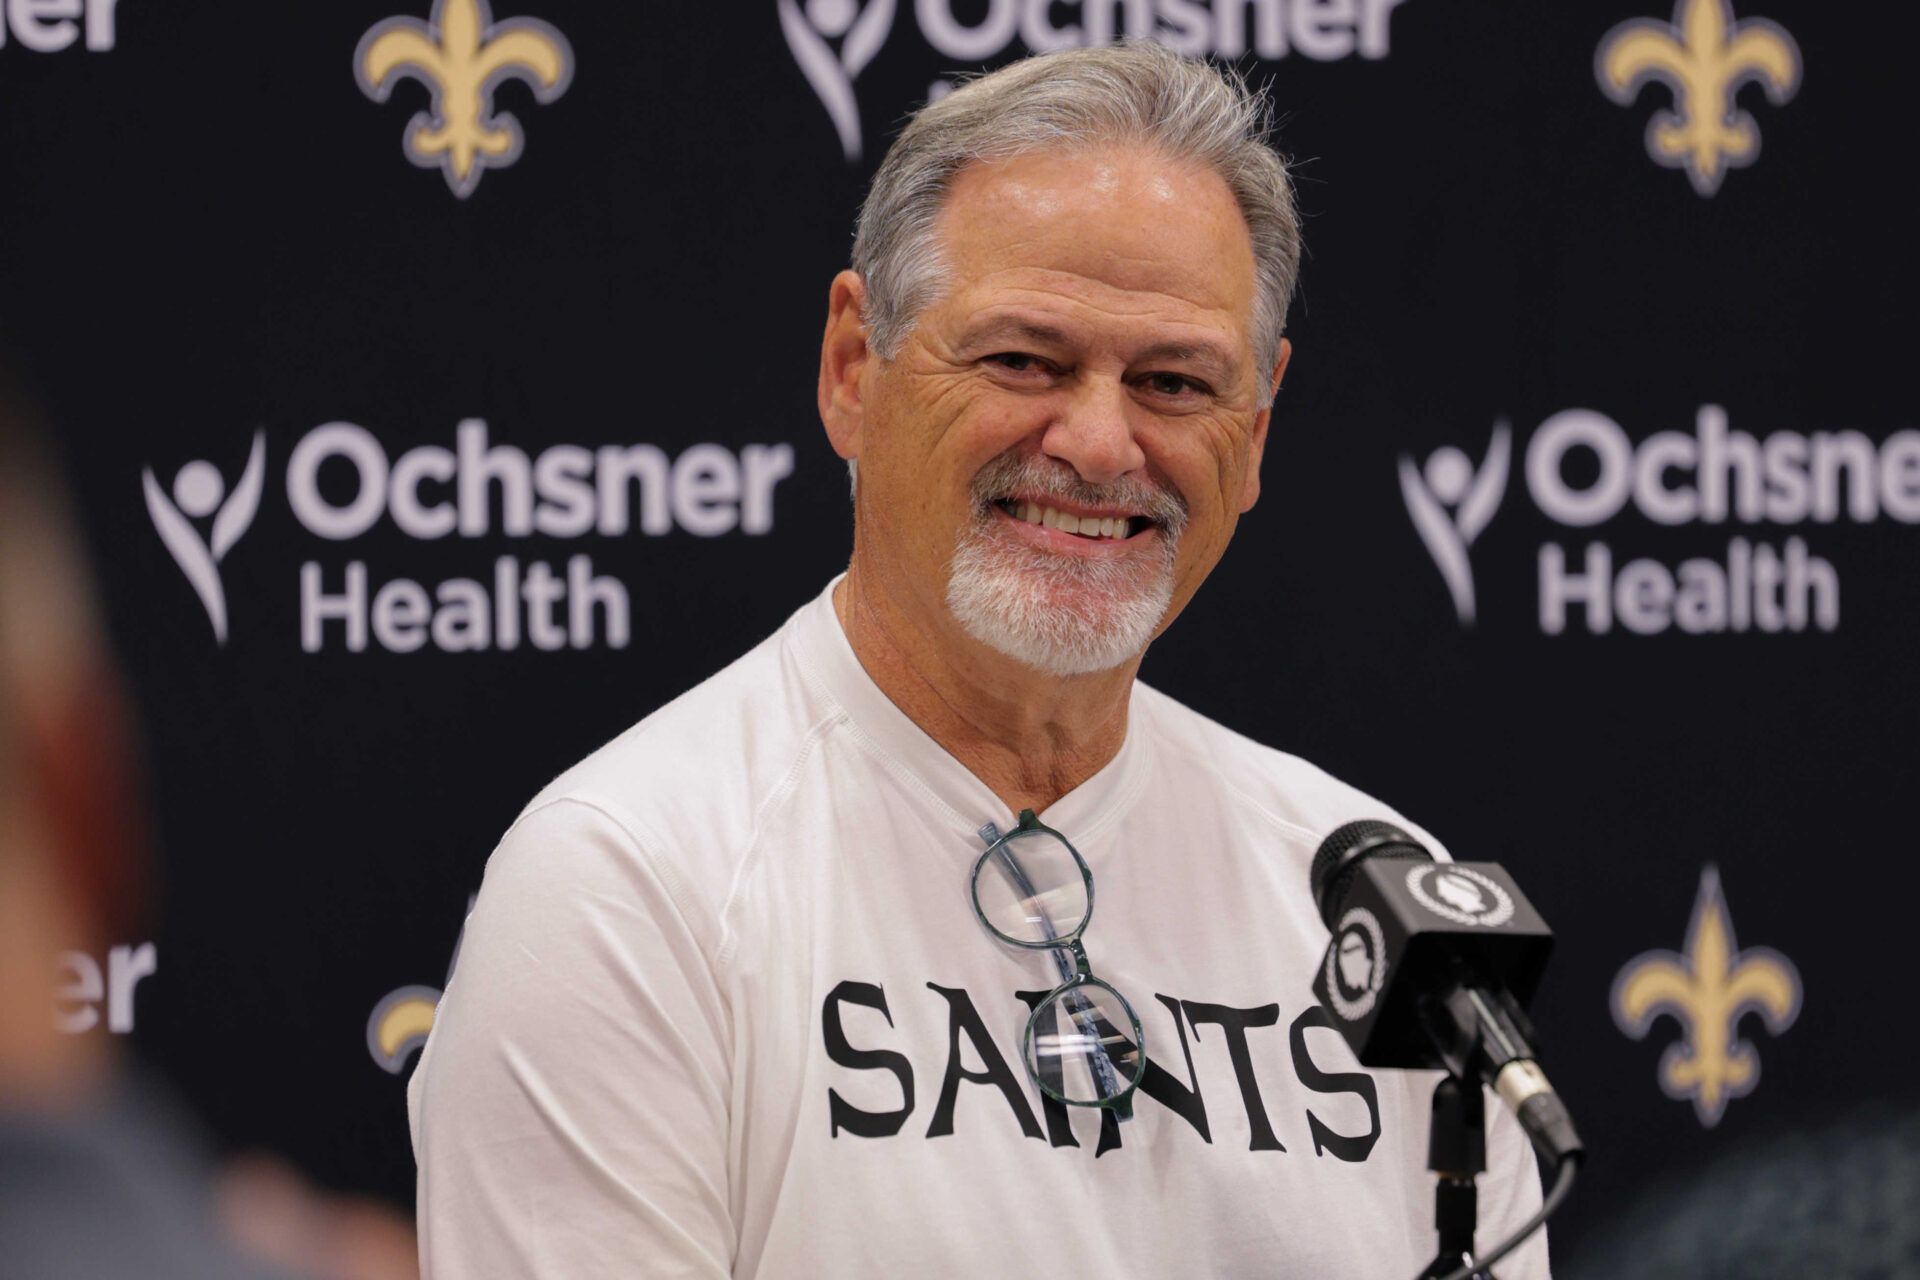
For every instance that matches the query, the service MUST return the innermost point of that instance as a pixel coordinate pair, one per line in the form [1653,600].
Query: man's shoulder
[1297,797]
[691,779]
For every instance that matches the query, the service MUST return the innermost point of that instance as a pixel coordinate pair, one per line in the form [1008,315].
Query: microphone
[1432,964]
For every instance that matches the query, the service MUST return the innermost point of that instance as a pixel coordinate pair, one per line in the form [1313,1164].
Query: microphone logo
[1460,894]
[1451,503]
[1356,965]
[199,492]
[1707,989]
[811,28]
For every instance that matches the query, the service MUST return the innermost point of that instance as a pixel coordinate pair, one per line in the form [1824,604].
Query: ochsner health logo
[474,488]
[1714,475]
[835,40]
[1451,502]
[811,30]
[199,492]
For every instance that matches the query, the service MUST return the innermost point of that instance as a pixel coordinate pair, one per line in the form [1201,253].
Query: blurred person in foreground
[102,1176]
[746,993]
[1834,1199]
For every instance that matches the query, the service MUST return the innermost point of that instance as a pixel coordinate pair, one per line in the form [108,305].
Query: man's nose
[1094,433]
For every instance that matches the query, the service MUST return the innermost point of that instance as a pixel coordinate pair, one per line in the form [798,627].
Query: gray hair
[1137,92]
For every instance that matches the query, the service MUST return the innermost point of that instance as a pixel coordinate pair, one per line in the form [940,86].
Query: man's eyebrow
[1015,328]
[1002,328]
[1210,354]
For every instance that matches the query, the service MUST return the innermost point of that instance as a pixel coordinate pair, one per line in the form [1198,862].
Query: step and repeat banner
[436,380]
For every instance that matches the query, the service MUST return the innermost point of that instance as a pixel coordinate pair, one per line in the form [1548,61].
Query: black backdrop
[211,230]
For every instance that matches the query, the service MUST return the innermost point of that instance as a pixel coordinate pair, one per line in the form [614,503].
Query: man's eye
[1016,361]
[1172,384]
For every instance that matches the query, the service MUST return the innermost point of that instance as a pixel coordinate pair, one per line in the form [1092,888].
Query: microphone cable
[1562,1184]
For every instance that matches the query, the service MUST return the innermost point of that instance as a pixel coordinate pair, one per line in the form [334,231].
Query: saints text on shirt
[1171,1079]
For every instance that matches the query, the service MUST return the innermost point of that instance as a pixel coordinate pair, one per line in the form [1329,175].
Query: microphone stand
[1456,1152]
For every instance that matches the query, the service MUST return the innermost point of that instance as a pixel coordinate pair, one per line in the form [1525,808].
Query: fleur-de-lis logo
[399,1025]
[1703,56]
[402,1020]
[1707,989]
[461,55]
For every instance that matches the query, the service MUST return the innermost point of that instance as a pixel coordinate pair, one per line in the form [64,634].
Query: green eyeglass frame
[1115,1077]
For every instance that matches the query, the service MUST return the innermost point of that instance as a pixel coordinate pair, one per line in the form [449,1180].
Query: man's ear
[1250,493]
[843,359]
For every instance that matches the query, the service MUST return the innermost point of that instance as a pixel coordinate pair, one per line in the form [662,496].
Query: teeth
[1085,526]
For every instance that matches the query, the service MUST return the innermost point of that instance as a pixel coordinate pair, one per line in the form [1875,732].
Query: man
[723,1006]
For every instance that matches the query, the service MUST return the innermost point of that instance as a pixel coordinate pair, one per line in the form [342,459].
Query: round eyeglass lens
[1030,889]
[1083,1045]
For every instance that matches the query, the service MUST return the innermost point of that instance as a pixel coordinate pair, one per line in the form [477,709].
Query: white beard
[1063,615]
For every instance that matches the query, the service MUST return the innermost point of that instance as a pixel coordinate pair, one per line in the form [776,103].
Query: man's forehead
[1121,220]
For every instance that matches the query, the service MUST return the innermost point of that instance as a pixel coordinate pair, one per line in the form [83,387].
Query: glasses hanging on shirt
[1083,1044]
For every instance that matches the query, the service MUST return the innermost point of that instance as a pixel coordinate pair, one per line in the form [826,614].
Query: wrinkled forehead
[1123,231]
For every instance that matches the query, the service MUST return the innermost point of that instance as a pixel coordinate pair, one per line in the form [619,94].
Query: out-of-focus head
[1055,358]
[68,850]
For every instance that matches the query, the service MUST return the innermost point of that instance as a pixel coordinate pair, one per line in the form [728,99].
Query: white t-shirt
[723,1008]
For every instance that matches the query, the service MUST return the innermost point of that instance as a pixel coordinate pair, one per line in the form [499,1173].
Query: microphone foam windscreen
[1341,853]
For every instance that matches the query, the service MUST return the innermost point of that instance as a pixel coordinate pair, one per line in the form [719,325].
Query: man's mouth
[1093,528]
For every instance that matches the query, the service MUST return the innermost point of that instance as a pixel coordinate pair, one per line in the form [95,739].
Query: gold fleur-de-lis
[461,55]
[399,1024]
[1704,57]
[1707,989]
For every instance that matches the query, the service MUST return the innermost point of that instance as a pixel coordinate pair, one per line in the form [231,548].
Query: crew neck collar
[828,657]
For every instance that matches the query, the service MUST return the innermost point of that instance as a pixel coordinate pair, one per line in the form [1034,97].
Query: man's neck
[1029,736]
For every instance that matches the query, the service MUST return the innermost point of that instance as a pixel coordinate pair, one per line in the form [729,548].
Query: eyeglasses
[1083,1043]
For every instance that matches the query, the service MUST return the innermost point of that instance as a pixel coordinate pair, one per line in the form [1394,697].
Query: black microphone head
[1340,855]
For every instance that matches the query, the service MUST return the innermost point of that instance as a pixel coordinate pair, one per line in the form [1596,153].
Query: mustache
[1033,477]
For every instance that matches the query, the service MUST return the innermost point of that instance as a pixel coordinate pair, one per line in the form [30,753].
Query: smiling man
[801,975]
